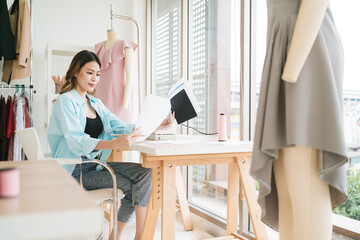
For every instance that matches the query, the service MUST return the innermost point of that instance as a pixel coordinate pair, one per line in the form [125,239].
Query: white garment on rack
[19,110]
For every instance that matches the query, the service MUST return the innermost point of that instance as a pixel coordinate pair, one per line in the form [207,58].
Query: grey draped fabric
[308,112]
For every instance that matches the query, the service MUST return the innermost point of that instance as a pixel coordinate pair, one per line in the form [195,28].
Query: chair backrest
[30,143]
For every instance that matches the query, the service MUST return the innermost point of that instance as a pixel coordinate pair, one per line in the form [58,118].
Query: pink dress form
[110,89]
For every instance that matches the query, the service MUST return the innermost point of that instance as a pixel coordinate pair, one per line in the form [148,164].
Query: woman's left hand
[167,123]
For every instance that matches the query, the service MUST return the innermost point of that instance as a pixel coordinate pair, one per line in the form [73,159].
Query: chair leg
[106,216]
[111,222]
[110,215]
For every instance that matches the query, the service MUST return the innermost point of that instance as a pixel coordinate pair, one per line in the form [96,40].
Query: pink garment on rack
[110,89]
[26,115]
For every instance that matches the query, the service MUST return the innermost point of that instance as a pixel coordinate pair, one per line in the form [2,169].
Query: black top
[7,43]
[94,126]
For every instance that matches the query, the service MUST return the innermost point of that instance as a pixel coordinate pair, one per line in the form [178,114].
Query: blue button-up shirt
[66,135]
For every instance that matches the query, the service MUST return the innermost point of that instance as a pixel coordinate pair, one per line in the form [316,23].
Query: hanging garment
[1,125]
[7,46]
[307,113]
[11,128]
[26,114]
[19,109]
[27,124]
[21,28]
[3,129]
[110,89]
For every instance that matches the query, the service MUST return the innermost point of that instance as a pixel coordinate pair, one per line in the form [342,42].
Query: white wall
[80,22]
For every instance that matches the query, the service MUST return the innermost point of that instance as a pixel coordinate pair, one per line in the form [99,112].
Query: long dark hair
[79,60]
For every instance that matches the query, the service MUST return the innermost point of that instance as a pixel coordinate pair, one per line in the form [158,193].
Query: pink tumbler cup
[222,130]
[9,182]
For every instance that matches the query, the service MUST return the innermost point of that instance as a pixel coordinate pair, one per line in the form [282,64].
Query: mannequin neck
[112,38]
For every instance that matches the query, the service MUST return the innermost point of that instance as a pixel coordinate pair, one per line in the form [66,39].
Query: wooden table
[51,204]
[164,156]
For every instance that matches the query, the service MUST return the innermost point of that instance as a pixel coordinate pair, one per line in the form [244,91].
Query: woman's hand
[167,123]
[124,141]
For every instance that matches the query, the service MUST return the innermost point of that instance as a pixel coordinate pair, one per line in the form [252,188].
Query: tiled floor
[202,230]
[273,235]
[340,237]
[217,204]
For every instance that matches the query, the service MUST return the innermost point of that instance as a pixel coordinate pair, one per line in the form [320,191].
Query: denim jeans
[133,179]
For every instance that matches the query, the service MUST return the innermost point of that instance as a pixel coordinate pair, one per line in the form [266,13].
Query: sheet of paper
[154,110]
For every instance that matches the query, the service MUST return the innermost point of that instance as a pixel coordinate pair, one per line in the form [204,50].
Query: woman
[81,126]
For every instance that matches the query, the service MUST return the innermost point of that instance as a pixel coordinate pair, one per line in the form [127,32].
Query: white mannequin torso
[112,38]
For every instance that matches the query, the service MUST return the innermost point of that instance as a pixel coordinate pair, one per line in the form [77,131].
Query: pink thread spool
[9,182]
[222,130]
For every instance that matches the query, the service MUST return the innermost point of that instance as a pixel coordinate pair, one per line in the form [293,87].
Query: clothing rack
[122,17]
[30,86]
[2,86]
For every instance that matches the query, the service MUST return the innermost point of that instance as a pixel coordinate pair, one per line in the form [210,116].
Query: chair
[33,150]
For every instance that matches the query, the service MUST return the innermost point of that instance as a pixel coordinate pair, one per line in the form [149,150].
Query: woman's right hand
[124,141]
